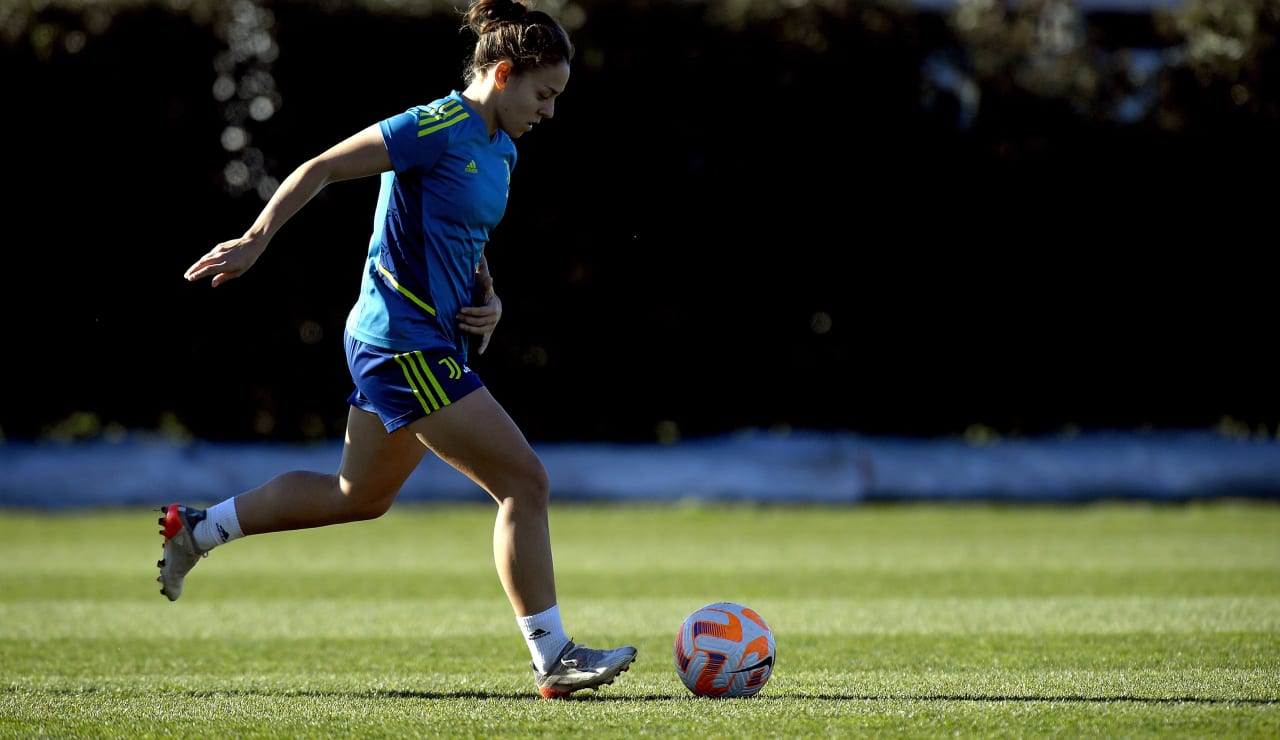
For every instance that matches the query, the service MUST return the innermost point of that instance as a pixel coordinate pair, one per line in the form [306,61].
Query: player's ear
[502,74]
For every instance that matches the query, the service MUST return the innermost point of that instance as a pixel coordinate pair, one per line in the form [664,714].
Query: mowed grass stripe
[803,654]
[323,618]
[275,583]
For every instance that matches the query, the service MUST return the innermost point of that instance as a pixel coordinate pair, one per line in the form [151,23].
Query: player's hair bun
[486,14]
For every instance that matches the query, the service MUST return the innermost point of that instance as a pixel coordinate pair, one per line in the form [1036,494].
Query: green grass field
[1107,620]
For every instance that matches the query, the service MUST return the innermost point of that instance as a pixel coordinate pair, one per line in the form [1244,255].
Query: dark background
[771,220]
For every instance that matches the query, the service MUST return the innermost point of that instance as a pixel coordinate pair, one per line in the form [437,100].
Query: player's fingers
[202,270]
[223,277]
[198,270]
[212,259]
[476,315]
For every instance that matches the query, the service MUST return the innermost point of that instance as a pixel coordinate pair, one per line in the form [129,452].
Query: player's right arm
[360,155]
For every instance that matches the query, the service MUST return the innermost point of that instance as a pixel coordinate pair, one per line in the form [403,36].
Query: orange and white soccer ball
[724,650]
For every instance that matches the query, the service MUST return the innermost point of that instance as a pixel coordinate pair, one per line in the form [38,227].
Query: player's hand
[227,261]
[481,319]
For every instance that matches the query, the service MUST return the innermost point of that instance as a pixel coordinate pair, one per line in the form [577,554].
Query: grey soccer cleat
[180,551]
[581,667]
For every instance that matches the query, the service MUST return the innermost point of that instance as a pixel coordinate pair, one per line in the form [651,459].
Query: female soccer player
[445,170]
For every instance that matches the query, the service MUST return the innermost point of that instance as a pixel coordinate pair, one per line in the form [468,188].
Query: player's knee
[537,482]
[530,488]
[539,487]
[365,505]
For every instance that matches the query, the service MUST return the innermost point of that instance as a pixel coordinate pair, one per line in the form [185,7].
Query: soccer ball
[724,650]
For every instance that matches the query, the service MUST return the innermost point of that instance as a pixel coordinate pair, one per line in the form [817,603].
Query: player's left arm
[481,318]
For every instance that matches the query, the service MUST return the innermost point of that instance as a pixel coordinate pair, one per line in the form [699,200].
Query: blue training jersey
[446,191]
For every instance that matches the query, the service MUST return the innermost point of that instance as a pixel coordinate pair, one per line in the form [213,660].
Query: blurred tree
[934,215]
[1229,63]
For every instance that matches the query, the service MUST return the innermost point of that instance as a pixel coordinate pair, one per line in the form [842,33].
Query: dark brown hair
[510,29]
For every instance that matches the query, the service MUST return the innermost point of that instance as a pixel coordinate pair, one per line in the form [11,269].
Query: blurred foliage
[1229,51]
[1051,49]
[740,144]
[1038,47]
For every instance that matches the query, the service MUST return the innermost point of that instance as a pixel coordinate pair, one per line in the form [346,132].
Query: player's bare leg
[374,467]
[484,444]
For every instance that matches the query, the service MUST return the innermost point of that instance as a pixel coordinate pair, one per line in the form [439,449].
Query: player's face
[530,97]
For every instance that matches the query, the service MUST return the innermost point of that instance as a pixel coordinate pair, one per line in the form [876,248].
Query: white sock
[219,526]
[545,636]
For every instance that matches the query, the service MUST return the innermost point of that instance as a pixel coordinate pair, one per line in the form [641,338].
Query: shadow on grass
[1119,699]
[614,697]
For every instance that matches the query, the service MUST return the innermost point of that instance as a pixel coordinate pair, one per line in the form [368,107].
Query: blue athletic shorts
[402,387]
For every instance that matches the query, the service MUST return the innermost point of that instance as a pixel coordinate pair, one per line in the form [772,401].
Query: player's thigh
[376,464]
[477,437]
